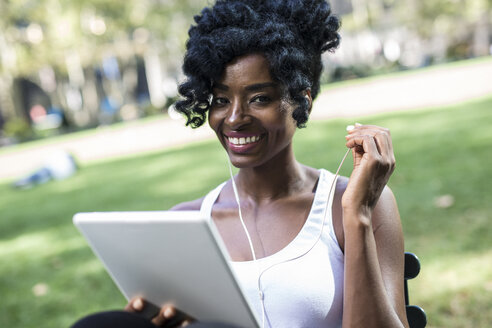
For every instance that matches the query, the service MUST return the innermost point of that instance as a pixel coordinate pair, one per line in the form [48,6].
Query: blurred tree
[42,32]
[65,39]
[433,30]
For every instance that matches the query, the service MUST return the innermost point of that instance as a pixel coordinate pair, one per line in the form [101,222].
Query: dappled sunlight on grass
[457,271]
[59,261]
[458,287]
[40,244]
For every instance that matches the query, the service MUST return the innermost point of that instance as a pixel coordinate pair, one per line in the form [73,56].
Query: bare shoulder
[340,188]
[386,219]
[193,205]
[342,183]
[386,207]
[386,210]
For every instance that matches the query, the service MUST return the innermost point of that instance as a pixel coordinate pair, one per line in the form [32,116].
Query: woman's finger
[368,129]
[385,145]
[169,316]
[186,323]
[357,127]
[366,143]
[381,135]
[136,304]
[164,316]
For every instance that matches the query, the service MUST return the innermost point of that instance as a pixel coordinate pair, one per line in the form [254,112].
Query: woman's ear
[307,95]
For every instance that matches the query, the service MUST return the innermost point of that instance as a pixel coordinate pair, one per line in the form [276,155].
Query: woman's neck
[281,176]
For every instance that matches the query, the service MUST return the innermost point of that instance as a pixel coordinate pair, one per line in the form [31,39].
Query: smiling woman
[309,248]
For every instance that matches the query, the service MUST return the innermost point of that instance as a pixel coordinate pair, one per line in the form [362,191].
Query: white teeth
[243,140]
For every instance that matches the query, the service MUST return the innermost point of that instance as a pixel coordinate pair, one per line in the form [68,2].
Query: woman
[317,256]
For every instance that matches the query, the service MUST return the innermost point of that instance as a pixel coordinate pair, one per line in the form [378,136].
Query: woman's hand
[374,163]
[167,316]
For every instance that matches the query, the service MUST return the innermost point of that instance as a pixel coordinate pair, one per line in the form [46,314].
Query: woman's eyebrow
[252,87]
[260,86]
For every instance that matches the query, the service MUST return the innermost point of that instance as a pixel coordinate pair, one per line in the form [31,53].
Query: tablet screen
[169,256]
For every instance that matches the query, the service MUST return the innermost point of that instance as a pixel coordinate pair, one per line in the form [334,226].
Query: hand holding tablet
[174,257]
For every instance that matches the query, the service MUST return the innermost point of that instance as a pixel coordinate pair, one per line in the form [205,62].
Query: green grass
[439,151]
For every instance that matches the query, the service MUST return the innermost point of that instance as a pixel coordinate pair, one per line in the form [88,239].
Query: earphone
[261,272]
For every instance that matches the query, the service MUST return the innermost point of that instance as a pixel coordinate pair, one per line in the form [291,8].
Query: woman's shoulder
[385,211]
[193,205]
[387,197]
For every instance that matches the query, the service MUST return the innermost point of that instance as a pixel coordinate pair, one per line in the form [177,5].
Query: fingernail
[138,304]
[350,127]
[168,313]
[358,124]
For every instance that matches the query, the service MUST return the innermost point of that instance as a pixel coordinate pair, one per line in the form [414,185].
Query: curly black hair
[292,34]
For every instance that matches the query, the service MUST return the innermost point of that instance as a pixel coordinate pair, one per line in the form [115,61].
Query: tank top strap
[321,208]
[328,181]
[209,201]
[325,182]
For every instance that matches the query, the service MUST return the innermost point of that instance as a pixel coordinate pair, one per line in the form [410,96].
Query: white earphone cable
[261,272]
[236,195]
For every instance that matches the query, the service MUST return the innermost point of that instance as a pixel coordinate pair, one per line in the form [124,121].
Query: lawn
[49,277]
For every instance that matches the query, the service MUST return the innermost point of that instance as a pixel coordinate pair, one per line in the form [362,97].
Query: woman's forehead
[246,70]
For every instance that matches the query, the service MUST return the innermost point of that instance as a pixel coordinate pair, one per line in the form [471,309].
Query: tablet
[169,256]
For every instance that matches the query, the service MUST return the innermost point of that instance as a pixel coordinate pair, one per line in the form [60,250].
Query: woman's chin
[242,162]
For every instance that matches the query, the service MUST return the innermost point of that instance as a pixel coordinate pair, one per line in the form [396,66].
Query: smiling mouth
[243,140]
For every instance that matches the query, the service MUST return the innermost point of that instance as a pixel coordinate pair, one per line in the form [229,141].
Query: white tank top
[305,292]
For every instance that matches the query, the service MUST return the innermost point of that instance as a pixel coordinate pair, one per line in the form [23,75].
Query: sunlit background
[68,65]
[86,124]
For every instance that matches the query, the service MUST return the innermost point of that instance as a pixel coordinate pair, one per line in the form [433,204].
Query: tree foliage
[42,32]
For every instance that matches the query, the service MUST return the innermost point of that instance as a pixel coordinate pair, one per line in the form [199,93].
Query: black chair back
[416,315]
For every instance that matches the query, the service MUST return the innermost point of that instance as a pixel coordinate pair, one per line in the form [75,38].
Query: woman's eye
[260,99]
[219,101]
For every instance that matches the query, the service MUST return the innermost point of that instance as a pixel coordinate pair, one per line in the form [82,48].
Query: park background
[97,78]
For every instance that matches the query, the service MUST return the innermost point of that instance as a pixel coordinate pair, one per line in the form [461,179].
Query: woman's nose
[237,114]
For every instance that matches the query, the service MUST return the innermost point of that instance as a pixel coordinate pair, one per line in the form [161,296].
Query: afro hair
[291,34]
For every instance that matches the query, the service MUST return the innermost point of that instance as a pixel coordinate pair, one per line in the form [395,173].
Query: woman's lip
[238,148]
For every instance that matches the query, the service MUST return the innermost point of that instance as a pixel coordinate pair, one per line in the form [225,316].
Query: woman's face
[248,114]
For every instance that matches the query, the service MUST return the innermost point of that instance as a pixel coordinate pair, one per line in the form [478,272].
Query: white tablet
[169,256]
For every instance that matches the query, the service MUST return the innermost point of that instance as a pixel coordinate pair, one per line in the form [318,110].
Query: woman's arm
[374,264]
[373,238]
